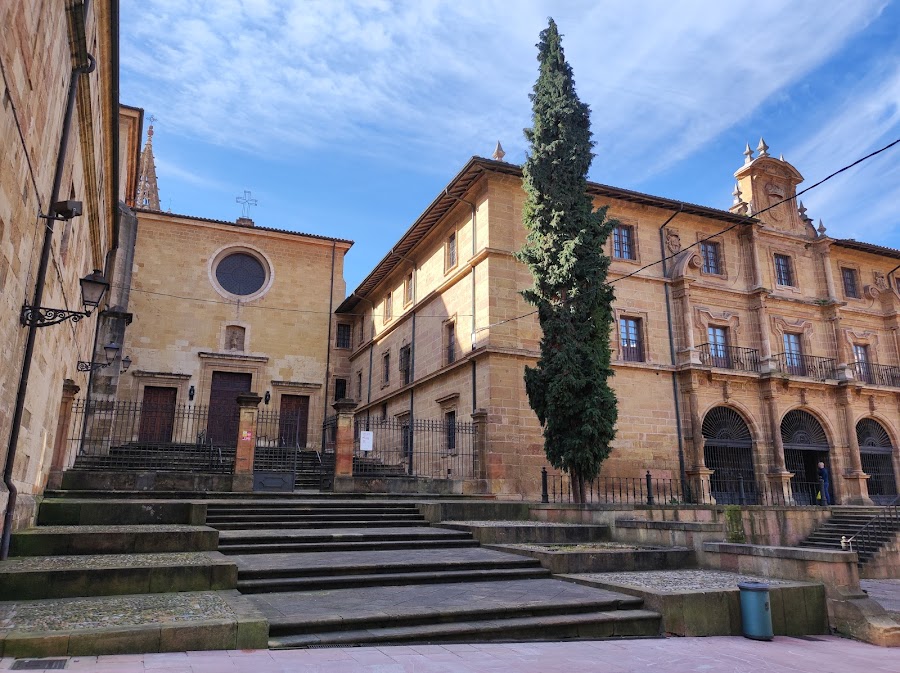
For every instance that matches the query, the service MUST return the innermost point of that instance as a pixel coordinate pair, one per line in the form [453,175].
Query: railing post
[741,486]
[545,495]
[649,488]
[246,442]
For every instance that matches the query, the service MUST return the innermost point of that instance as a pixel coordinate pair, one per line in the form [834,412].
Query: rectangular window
[793,354]
[405,365]
[450,259]
[710,253]
[451,342]
[863,368]
[388,307]
[359,386]
[450,429]
[784,274]
[718,346]
[340,389]
[343,335]
[623,242]
[362,330]
[408,289]
[851,285]
[631,339]
[386,369]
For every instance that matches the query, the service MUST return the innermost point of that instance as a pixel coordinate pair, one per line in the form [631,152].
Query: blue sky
[347,118]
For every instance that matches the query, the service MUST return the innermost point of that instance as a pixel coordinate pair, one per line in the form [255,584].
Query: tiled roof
[853,244]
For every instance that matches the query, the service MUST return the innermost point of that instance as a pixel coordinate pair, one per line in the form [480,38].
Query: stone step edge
[386,568]
[298,584]
[285,548]
[613,624]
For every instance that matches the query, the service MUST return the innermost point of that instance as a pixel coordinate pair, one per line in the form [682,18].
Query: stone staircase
[846,522]
[329,572]
[169,457]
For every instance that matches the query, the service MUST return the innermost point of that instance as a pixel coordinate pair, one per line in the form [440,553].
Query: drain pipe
[36,301]
[474,248]
[662,250]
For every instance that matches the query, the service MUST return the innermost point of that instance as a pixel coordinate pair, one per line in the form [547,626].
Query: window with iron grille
[450,259]
[408,289]
[631,339]
[386,369]
[450,429]
[784,273]
[623,242]
[709,250]
[451,342]
[851,284]
[343,335]
[718,346]
[340,389]
[359,386]
[388,307]
[405,365]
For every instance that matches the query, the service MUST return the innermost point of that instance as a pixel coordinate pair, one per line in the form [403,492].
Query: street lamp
[126,363]
[93,286]
[111,349]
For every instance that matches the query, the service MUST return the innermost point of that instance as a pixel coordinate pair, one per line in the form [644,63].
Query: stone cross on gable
[246,201]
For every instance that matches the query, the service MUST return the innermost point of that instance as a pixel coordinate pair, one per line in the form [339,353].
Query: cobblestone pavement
[581,547]
[61,614]
[886,593]
[680,580]
[823,654]
[416,599]
[105,561]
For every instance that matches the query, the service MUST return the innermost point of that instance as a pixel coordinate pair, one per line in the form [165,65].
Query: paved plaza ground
[820,654]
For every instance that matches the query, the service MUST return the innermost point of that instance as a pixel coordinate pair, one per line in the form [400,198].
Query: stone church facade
[741,362]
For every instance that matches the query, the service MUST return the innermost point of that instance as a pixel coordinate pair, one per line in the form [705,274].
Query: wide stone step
[80,540]
[37,577]
[290,547]
[387,579]
[276,508]
[336,514]
[278,525]
[587,626]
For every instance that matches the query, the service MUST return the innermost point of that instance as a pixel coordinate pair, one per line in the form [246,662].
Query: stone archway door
[877,454]
[728,452]
[805,445]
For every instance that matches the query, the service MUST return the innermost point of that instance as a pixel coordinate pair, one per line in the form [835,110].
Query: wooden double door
[157,415]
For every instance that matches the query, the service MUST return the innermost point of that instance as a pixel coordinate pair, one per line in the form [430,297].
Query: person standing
[824,484]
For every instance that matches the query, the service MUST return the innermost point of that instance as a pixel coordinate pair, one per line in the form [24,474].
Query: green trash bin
[756,611]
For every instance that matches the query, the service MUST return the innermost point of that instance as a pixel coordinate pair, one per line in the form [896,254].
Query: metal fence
[440,449]
[648,490]
[129,436]
[729,357]
[877,375]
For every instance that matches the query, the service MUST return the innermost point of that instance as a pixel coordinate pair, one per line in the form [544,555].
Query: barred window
[451,342]
[405,365]
[450,259]
[388,307]
[386,369]
[450,428]
[340,389]
[623,242]
[784,273]
[709,250]
[851,284]
[343,335]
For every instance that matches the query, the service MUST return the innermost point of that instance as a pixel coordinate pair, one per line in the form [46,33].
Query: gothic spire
[148,191]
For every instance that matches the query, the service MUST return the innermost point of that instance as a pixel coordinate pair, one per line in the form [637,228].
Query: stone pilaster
[479,418]
[246,441]
[855,487]
[343,440]
[64,422]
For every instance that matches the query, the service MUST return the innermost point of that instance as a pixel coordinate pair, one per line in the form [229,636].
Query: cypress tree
[568,389]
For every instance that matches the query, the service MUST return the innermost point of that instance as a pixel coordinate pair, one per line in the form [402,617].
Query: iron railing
[810,366]
[729,357]
[876,375]
[438,449]
[126,435]
[869,539]
[648,490]
[879,465]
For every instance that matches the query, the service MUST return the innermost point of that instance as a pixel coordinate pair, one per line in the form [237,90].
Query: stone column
[63,423]
[479,417]
[246,442]
[765,335]
[779,477]
[343,440]
[697,473]
[856,488]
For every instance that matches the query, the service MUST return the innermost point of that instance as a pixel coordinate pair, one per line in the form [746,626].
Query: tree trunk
[577,487]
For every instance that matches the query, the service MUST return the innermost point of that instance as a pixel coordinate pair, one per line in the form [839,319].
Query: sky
[347,118]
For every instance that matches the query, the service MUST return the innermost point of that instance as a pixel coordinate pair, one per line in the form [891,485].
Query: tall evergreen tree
[569,388]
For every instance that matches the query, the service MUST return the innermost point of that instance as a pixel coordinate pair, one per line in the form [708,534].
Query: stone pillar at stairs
[63,423]
[343,440]
[246,442]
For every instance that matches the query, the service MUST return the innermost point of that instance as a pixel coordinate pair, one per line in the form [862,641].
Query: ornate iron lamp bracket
[91,366]
[42,317]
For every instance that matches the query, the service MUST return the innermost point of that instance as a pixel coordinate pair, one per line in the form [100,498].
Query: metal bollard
[649,488]
[545,496]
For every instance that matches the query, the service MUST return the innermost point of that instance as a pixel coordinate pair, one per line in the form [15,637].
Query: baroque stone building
[63,139]
[760,347]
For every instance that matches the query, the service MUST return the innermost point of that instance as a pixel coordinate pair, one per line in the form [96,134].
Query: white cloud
[444,79]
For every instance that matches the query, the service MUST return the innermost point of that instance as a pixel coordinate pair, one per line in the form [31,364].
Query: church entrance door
[222,426]
[157,415]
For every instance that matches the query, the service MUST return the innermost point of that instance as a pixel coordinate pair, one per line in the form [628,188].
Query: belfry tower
[147,190]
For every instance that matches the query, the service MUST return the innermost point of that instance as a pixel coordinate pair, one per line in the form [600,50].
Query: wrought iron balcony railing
[876,375]
[729,357]
[811,366]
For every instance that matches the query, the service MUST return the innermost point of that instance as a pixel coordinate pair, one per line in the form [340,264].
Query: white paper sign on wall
[365,440]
